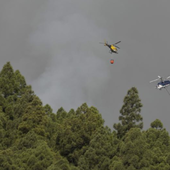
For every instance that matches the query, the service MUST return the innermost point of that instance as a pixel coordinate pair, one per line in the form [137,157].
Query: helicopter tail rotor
[105,43]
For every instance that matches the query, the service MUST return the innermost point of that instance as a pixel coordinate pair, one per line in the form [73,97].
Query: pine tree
[133,150]
[157,124]
[130,113]
[7,80]
[102,148]
[75,132]
[158,142]
[34,118]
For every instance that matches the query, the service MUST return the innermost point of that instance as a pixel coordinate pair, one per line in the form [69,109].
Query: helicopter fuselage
[163,84]
[113,49]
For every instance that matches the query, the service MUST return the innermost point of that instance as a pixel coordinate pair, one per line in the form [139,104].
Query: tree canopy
[130,113]
[32,137]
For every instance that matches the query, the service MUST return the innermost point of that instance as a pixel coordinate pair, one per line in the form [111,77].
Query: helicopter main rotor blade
[117,46]
[105,42]
[154,80]
[118,42]
[160,78]
[168,77]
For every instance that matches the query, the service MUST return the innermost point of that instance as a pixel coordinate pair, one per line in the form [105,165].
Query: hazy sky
[55,45]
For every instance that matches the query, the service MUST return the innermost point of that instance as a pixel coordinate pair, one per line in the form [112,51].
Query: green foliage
[76,131]
[32,137]
[159,147]
[130,113]
[61,114]
[157,124]
[116,164]
[34,118]
[102,148]
[3,122]
[11,82]
[133,149]
[7,80]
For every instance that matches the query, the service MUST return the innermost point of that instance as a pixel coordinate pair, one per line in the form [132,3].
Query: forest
[33,137]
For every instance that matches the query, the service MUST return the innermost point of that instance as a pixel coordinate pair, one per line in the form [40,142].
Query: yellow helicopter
[113,47]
